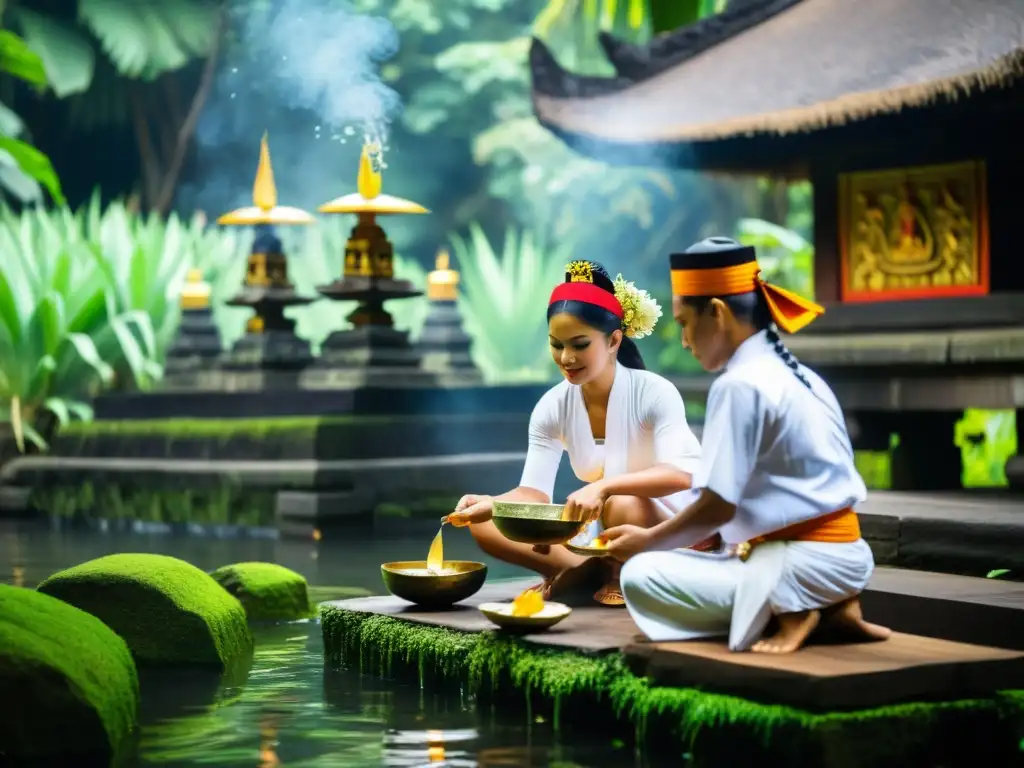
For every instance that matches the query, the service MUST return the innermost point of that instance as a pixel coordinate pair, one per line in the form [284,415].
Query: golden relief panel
[914,233]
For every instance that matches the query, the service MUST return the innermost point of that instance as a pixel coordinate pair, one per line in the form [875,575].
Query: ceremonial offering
[527,611]
[532,523]
[414,581]
[436,582]
[596,547]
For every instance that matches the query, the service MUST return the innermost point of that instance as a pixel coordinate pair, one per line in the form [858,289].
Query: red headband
[588,293]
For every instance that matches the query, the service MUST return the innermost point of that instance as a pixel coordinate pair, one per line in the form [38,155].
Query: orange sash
[840,527]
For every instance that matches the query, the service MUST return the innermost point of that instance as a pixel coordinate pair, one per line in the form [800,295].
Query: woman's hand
[587,503]
[472,509]
[624,541]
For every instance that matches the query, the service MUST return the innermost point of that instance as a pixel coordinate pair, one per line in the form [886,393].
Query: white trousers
[684,595]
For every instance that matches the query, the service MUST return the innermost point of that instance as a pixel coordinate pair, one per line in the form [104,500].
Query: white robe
[781,454]
[645,425]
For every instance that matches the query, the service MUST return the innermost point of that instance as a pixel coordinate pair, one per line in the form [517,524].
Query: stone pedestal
[445,346]
[197,344]
[373,352]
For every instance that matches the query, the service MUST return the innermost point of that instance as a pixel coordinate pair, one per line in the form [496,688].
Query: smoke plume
[308,72]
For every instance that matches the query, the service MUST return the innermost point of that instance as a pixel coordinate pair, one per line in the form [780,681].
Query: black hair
[753,309]
[600,319]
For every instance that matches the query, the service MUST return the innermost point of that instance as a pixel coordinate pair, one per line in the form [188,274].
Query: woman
[624,429]
[777,479]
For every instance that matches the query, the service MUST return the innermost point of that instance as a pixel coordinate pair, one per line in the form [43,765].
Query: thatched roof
[777,67]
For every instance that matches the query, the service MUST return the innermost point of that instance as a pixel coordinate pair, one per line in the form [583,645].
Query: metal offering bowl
[500,614]
[410,580]
[531,523]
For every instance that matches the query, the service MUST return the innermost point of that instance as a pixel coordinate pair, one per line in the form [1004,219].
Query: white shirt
[777,450]
[645,425]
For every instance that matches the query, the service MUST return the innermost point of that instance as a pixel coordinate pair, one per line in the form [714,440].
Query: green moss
[257,428]
[206,428]
[227,504]
[567,681]
[168,611]
[269,592]
[68,682]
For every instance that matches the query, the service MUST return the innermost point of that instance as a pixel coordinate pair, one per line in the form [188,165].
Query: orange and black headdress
[582,283]
[718,267]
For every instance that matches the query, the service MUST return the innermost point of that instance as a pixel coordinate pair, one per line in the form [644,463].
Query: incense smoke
[308,73]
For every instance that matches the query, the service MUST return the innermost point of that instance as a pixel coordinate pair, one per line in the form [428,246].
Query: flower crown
[640,312]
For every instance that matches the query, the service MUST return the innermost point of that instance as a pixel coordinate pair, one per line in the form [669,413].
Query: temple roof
[782,67]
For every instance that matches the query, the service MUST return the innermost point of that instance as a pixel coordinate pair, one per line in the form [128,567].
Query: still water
[291,711]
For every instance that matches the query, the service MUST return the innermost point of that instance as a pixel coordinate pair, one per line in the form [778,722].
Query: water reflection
[286,709]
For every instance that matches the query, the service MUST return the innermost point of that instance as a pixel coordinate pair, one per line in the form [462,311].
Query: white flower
[640,311]
[646,316]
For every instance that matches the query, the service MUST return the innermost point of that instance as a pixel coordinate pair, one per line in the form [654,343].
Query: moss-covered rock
[67,681]
[268,591]
[168,611]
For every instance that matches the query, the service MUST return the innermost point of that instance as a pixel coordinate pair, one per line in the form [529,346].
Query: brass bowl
[411,581]
[585,550]
[500,614]
[531,523]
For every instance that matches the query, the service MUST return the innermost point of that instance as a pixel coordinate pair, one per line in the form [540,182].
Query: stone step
[967,532]
[962,609]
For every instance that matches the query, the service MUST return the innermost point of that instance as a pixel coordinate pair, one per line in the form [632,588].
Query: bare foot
[846,622]
[794,629]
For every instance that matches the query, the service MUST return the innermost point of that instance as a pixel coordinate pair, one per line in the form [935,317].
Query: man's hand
[624,541]
[587,503]
[472,509]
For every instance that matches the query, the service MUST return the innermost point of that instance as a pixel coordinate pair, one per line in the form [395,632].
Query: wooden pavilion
[908,117]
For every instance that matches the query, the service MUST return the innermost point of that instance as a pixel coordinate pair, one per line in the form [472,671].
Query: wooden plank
[833,677]
[818,677]
[590,629]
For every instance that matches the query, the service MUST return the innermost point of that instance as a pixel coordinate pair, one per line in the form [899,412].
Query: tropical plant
[24,170]
[88,301]
[503,301]
[140,76]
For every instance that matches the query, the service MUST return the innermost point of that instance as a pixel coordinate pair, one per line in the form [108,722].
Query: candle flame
[369,181]
[264,192]
[442,260]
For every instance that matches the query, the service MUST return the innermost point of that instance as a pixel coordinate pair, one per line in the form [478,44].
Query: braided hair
[598,318]
[752,308]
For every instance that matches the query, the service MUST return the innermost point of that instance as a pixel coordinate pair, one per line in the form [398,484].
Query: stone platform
[966,532]
[954,659]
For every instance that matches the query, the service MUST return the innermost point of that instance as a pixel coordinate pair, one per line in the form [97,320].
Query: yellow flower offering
[599,543]
[528,603]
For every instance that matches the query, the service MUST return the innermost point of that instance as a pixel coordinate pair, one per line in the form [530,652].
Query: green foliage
[504,299]
[23,168]
[88,301]
[669,15]
[225,504]
[141,40]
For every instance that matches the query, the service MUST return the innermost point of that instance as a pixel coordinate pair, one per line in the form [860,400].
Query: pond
[291,711]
